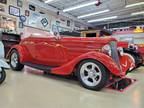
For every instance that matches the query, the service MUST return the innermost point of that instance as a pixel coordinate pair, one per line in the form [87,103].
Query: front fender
[107,61]
[3,64]
[23,53]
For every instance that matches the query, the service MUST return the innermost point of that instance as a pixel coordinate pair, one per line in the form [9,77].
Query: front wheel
[15,61]
[92,75]
[2,76]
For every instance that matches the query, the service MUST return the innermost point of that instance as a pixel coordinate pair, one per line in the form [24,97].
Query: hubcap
[14,59]
[90,74]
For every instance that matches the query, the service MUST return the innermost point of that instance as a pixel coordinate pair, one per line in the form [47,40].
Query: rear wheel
[2,76]
[92,75]
[15,61]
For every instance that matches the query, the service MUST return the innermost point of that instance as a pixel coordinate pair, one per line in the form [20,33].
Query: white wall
[52,17]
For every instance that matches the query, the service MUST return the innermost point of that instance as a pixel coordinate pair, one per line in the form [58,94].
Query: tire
[92,75]
[2,76]
[136,60]
[15,61]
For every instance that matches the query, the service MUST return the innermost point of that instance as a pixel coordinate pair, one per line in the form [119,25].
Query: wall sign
[3,1]
[44,22]
[34,19]
[21,25]
[68,23]
[2,9]
[27,12]
[14,11]
[19,3]
[57,23]
[31,7]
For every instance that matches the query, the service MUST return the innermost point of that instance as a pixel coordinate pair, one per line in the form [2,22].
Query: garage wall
[51,17]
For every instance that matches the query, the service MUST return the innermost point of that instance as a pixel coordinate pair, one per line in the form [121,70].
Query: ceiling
[116,7]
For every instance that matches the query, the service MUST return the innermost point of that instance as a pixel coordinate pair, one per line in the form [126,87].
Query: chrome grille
[114,53]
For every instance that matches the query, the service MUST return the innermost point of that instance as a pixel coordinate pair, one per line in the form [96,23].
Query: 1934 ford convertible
[93,60]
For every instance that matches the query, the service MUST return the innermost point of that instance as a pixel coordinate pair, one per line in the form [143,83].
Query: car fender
[23,53]
[107,61]
[127,63]
[3,64]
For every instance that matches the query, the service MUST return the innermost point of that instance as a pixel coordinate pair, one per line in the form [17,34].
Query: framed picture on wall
[68,23]
[21,25]
[19,3]
[58,23]
[27,12]
[31,7]
[14,11]
[44,22]
[3,1]
[2,9]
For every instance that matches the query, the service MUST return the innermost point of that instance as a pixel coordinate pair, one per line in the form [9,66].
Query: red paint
[123,44]
[66,53]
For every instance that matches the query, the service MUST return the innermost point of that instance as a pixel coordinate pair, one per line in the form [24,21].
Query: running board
[40,67]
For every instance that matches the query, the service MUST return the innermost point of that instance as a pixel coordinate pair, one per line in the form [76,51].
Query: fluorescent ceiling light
[92,14]
[36,34]
[102,19]
[80,6]
[136,4]
[47,1]
[137,13]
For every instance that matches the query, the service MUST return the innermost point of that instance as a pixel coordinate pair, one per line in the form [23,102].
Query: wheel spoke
[93,67]
[14,59]
[87,69]
[97,74]
[94,80]
[86,77]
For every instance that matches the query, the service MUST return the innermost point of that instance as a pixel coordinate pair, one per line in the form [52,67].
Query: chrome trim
[114,54]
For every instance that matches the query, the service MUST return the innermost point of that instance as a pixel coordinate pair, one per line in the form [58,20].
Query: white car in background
[3,64]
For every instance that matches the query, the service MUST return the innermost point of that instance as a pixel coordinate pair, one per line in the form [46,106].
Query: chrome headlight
[107,50]
[133,46]
[120,50]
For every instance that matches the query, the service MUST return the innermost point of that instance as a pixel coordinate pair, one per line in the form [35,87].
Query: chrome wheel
[14,59]
[90,74]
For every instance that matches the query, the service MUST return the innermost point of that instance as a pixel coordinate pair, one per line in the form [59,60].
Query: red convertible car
[93,60]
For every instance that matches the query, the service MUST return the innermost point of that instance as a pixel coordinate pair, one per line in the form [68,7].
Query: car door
[48,52]
[30,44]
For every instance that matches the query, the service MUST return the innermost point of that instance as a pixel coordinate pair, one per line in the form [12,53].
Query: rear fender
[23,53]
[107,61]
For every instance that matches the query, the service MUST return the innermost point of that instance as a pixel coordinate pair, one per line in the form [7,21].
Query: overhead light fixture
[92,14]
[80,6]
[138,13]
[135,4]
[48,1]
[102,19]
